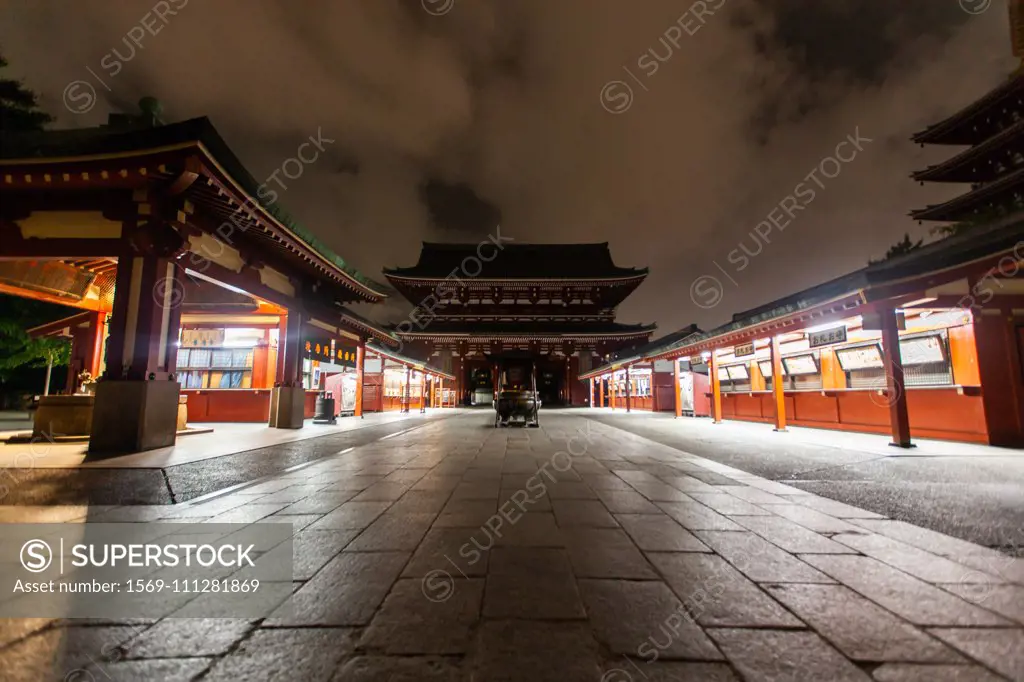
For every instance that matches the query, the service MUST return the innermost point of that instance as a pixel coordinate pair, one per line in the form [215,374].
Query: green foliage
[18,350]
[900,248]
[19,110]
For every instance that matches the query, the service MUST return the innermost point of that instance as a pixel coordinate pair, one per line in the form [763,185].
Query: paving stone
[659,533]
[383,490]
[754,495]
[528,530]
[312,549]
[625,502]
[661,492]
[812,519]
[904,595]
[672,671]
[170,670]
[351,515]
[606,553]
[451,550]
[57,652]
[248,513]
[859,628]
[569,513]
[1006,600]
[399,669]
[695,516]
[477,490]
[307,654]
[297,521]
[522,500]
[1001,650]
[784,655]
[466,513]
[689,484]
[419,502]
[836,509]
[724,503]
[344,592]
[437,484]
[791,536]
[318,503]
[570,490]
[643,619]
[716,594]
[414,619]
[758,559]
[916,562]
[532,651]
[180,637]
[712,478]
[606,482]
[392,531]
[916,672]
[539,596]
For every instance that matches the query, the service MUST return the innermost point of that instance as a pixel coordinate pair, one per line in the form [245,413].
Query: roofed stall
[149,224]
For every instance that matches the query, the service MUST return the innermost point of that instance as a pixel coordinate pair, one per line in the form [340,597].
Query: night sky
[669,129]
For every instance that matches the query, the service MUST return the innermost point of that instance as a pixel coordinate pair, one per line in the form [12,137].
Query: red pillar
[778,389]
[99,334]
[999,368]
[716,389]
[407,390]
[282,334]
[423,392]
[629,390]
[677,401]
[600,387]
[291,348]
[613,389]
[360,360]
[896,390]
[591,392]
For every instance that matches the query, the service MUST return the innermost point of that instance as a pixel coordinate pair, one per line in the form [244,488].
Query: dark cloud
[496,105]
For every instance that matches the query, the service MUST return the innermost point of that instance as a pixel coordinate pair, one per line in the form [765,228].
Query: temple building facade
[552,303]
[191,297]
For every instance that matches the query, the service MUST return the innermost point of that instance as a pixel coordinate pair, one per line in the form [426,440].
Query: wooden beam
[778,390]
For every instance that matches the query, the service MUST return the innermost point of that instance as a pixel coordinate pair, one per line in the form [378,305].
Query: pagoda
[552,303]
[992,130]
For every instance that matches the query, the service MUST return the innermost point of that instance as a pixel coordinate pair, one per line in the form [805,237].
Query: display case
[215,367]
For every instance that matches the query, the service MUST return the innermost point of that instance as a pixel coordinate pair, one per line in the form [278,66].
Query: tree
[18,350]
[900,248]
[19,110]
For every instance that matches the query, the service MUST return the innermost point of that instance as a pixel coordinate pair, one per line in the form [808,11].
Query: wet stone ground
[573,552]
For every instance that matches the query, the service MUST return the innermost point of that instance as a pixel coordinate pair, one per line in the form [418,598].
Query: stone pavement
[576,551]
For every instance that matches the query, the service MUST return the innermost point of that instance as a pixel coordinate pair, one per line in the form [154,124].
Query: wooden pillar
[282,334]
[592,392]
[778,386]
[629,390]
[716,389]
[896,389]
[999,372]
[291,347]
[99,335]
[423,392]
[360,362]
[147,313]
[676,388]
[440,392]
[600,387]
[612,390]
[407,391]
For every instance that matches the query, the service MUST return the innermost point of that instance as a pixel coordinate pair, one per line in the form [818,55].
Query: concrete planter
[63,416]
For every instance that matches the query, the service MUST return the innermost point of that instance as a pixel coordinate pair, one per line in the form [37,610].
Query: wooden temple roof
[978,203]
[521,262]
[180,152]
[530,330]
[977,163]
[972,124]
[899,278]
